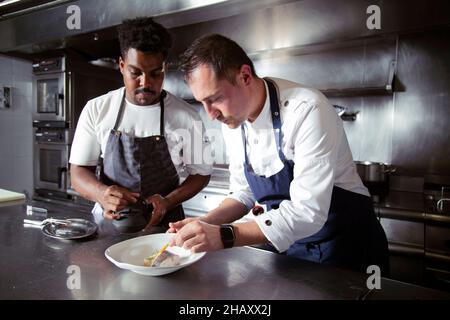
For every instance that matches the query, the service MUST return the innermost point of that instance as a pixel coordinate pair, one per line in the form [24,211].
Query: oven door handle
[61,171]
[56,104]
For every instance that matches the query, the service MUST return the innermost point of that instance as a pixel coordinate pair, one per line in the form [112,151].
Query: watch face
[227,235]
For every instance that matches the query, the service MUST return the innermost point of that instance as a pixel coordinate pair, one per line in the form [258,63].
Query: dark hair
[223,54]
[145,35]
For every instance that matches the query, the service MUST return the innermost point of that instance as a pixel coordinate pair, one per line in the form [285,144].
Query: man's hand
[175,226]
[114,198]
[160,206]
[198,236]
[111,215]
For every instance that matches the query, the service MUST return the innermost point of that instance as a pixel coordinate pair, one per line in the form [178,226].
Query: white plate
[130,254]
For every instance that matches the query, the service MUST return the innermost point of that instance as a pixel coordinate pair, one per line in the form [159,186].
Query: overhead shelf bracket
[386,89]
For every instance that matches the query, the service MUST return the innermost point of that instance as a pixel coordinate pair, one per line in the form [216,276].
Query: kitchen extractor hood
[14,8]
[46,28]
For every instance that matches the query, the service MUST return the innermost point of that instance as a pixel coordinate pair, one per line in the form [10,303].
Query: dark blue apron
[352,236]
[141,165]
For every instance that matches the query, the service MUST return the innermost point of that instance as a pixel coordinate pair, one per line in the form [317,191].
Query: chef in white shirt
[288,151]
[142,136]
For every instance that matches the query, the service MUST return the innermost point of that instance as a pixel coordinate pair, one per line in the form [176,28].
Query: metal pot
[134,218]
[373,172]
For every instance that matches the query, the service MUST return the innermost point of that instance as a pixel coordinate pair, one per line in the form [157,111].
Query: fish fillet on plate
[133,253]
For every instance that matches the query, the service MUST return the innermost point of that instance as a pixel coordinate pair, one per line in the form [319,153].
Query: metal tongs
[46,221]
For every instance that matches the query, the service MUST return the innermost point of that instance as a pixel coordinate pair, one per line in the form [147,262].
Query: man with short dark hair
[288,151]
[140,133]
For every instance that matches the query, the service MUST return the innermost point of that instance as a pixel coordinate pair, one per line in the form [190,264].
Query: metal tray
[73,229]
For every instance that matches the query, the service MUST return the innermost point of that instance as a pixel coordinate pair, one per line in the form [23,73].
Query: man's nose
[145,81]
[212,112]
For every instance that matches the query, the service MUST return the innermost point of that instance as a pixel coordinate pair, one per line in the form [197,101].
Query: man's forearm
[189,188]
[248,233]
[85,182]
[228,211]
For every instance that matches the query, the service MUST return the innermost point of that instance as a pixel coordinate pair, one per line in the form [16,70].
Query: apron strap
[244,141]
[276,117]
[276,121]
[120,113]
[161,120]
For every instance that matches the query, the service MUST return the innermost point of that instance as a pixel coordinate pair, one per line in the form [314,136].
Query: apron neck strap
[276,120]
[122,109]
[275,112]
[161,120]
[244,141]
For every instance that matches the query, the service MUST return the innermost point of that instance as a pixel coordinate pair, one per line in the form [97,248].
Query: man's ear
[246,74]
[121,64]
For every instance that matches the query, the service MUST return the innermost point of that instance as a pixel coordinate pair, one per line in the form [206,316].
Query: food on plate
[149,260]
[162,258]
[166,259]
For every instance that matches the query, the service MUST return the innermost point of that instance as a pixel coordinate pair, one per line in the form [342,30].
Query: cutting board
[6,195]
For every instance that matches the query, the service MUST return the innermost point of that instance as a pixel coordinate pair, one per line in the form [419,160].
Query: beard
[145,96]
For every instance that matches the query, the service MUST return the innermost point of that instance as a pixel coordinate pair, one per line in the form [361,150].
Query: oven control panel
[49,65]
[52,135]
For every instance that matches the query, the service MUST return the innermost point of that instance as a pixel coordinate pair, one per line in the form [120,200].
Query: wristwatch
[227,235]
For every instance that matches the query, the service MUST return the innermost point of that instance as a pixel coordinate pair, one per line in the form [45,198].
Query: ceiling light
[6,2]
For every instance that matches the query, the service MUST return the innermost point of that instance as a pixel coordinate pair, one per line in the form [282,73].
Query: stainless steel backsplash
[408,128]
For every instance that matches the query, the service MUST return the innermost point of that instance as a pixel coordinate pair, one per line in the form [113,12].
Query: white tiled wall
[16,133]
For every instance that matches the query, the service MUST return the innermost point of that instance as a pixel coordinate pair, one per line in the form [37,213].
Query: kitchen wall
[16,134]
[354,66]
[326,44]
[421,126]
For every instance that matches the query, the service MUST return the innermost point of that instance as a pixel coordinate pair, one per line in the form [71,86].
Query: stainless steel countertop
[34,266]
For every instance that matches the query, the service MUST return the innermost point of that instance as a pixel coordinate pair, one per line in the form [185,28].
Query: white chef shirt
[314,138]
[183,128]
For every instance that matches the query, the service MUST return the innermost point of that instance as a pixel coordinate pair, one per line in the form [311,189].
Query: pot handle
[390,170]
[440,205]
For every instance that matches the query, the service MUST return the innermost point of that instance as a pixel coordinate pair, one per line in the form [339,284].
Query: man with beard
[141,135]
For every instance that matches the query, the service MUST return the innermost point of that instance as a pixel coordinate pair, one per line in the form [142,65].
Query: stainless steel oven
[51,83]
[51,159]
[62,87]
